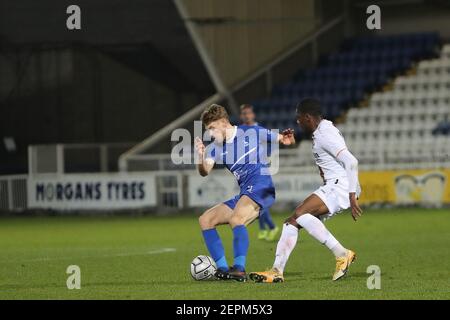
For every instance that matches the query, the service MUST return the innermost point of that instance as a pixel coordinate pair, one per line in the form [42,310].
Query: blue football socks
[215,248]
[240,246]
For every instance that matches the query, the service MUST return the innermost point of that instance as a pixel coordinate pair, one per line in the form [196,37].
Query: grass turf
[149,257]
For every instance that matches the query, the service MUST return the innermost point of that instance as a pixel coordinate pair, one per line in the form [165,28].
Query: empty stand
[405,126]
[407,121]
[343,79]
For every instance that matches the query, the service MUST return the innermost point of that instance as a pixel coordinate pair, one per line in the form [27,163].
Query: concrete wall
[248,33]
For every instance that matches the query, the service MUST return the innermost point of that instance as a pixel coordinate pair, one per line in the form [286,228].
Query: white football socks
[286,244]
[317,229]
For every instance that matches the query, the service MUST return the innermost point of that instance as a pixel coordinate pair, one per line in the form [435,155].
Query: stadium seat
[362,66]
[402,122]
[398,125]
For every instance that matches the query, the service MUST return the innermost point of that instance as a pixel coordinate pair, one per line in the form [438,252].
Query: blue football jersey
[246,153]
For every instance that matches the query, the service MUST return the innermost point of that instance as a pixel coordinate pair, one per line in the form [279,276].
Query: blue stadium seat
[343,78]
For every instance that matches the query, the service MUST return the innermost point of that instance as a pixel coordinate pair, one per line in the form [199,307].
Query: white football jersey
[327,142]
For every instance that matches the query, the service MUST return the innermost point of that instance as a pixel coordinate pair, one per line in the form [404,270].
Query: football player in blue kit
[241,150]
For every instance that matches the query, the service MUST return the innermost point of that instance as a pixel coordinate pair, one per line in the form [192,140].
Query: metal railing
[13,193]
[170,190]
[75,158]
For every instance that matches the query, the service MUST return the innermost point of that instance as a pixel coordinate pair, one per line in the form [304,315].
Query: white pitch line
[158,251]
[125,254]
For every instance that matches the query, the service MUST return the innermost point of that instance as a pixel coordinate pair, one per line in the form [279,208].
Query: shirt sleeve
[332,142]
[351,167]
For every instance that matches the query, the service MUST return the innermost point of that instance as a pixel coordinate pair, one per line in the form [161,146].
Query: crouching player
[239,149]
[339,169]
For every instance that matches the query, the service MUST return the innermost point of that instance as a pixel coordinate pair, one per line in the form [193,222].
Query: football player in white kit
[339,170]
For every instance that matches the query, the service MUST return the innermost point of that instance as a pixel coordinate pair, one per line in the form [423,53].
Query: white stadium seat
[395,130]
[446,51]
[398,124]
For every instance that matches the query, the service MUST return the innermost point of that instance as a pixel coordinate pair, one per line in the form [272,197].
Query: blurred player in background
[240,150]
[339,169]
[270,233]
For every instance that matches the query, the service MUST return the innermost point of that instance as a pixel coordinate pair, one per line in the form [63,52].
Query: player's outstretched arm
[287,137]
[204,165]
[351,166]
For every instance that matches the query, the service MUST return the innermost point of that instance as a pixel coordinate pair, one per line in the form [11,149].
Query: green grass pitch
[149,258]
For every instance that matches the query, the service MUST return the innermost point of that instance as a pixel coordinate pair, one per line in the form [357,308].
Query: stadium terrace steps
[343,79]
[406,125]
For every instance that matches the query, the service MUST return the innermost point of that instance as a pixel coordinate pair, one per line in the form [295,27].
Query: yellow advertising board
[406,187]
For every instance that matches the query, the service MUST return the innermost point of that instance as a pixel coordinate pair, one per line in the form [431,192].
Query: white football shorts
[335,196]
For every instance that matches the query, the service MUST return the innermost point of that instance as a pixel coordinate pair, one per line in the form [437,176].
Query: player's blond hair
[213,113]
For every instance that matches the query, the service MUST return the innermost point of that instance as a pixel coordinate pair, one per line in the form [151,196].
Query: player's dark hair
[309,106]
[246,106]
[212,113]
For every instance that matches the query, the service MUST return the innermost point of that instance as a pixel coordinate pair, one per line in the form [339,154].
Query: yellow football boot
[271,276]
[342,264]
[262,235]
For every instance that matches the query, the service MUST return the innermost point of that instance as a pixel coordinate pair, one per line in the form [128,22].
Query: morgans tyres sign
[91,191]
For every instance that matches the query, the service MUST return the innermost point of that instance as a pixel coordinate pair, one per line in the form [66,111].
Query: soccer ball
[203,268]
